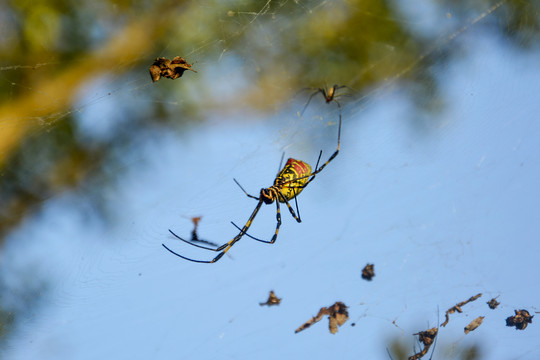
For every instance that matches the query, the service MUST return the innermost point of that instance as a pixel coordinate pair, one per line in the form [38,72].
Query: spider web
[433,184]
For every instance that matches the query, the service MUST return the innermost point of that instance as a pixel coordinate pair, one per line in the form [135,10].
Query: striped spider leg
[288,184]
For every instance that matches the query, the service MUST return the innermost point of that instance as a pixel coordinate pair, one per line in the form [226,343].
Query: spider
[328,94]
[289,183]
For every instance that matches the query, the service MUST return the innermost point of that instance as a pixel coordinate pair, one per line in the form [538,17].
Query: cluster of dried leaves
[457,308]
[520,320]
[338,314]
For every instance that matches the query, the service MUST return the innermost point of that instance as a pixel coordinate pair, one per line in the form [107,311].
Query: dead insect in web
[474,324]
[194,236]
[272,299]
[172,69]
[337,316]
[368,272]
[493,303]
[457,308]
[520,320]
[427,338]
[328,94]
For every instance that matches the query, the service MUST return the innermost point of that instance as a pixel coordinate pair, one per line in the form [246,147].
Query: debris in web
[427,338]
[272,299]
[474,324]
[172,69]
[493,303]
[520,320]
[368,272]
[337,316]
[457,308]
[194,236]
[195,220]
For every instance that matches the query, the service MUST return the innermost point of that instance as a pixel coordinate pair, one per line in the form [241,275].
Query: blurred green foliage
[399,349]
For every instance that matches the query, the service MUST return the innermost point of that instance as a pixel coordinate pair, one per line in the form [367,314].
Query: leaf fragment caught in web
[520,320]
[337,316]
[172,69]
[493,303]
[474,324]
[272,300]
[457,308]
[368,272]
[427,338]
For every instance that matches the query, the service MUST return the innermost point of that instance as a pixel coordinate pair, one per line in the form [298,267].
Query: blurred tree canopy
[52,50]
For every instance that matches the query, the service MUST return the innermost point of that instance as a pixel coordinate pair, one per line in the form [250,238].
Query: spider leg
[318,170]
[193,260]
[318,160]
[243,231]
[245,192]
[278,224]
[204,242]
[248,235]
[223,248]
[338,104]
[280,163]
[191,243]
[311,97]
[297,218]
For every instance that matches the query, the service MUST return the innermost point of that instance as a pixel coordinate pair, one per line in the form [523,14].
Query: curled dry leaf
[493,303]
[368,272]
[337,316]
[474,324]
[172,69]
[272,299]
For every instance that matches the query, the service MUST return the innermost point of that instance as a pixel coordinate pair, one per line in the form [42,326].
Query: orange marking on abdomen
[300,168]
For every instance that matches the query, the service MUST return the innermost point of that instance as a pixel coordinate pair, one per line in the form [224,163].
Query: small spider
[288,184]
[328,94]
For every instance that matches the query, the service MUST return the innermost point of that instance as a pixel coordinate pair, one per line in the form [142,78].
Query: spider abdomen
[291,180]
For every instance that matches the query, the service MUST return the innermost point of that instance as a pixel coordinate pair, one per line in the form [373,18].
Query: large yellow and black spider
[289,182]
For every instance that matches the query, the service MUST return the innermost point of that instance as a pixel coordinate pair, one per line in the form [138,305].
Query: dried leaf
[172,69]
[493,303]
[474,324]
[272,299]
[368,272]
[337,314]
